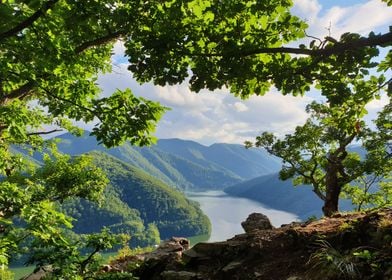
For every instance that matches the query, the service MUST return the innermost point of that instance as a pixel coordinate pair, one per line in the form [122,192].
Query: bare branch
[315,38]
[317,191]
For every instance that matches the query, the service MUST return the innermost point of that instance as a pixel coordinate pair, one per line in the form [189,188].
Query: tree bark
[333,188]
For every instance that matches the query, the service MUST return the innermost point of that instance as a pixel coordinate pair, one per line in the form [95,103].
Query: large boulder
[256,221]
[169,249]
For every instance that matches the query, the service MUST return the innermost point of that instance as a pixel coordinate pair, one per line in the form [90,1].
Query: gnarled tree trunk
[331,202]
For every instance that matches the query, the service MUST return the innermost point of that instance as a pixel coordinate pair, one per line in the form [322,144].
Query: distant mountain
[142,199]
[135,202]
[245,163]
[282,195]
[186,165]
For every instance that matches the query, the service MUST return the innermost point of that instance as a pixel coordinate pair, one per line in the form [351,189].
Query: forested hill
[138,204]
[184,164]
[282,195]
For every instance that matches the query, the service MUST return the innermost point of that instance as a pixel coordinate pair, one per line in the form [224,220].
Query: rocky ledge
[345,246]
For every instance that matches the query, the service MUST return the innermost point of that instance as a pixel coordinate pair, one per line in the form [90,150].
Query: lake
[227,212]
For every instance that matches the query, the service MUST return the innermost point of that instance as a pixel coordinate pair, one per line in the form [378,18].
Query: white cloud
[217,116]
[360,18]
[307,10]
[377,104]
[240,107]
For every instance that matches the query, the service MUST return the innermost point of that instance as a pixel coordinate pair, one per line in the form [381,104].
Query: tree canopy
[242,45]
[51,52]
[50,55]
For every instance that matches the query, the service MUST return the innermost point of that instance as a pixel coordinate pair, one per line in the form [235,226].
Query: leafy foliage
[50,55]
[317,154]
[51,52]
[241,45]
[211,39]
[30,218]
[359,262]
[48,58]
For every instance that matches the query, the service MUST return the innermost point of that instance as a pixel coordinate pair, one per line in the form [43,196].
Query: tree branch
[18,93]
[317,191]
[67,100]
[85,262]
[245,53]
[378,40]
[43,132]
[98,41]
[29,21]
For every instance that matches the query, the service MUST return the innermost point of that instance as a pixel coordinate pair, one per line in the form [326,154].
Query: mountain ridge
[184,164]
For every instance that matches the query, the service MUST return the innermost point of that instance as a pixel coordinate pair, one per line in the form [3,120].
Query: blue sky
[327,4]
[210,117]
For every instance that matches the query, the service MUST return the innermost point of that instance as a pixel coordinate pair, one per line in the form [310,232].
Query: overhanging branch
[98,41]
[29,21]
[18,93]
[337,48]
[43,132]
[49,93]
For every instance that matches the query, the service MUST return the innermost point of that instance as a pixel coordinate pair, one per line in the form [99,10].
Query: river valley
[227,212]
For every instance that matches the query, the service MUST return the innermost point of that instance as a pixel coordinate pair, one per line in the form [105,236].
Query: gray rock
[232,266]
[192,255]
[256,221]
[173,246]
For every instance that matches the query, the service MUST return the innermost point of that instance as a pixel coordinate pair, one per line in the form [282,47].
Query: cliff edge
[345,246]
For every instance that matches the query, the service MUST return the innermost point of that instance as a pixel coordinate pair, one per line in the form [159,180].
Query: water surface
[227,212]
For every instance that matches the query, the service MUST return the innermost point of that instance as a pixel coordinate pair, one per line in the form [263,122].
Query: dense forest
[137,204]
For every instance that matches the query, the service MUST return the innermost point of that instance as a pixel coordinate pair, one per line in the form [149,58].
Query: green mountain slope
[282,195]
[133,201]
[232,158]
[186,165]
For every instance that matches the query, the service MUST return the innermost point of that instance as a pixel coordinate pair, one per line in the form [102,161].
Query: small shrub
[126,251]
[331,263]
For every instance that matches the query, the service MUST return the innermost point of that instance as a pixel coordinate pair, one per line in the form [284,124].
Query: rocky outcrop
[297,251]
[256,221]
[168,253]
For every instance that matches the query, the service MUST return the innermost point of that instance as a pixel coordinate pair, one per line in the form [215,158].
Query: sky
[216,117]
